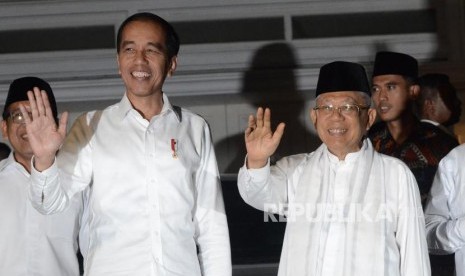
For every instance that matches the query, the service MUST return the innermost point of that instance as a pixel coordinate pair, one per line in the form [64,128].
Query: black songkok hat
[342,76]
[392,63]
[18,92]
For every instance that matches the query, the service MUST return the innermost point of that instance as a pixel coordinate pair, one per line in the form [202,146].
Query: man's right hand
[261,142]
[43,134]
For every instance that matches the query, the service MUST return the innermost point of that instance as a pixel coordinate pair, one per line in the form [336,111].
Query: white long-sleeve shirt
[30,242]
[445,211]
[155,206]
[359,216]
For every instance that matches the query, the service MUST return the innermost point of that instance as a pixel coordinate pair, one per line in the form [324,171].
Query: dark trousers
[442,265]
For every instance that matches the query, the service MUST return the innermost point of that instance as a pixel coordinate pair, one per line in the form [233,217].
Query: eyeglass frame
[339,108]
[13,116]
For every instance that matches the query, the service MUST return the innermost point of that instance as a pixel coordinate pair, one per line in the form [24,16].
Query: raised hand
[261,142]
[45,137]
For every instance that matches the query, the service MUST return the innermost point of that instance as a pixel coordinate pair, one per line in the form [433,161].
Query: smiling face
[392,95]
[142,59]
[342,134]
[16,135]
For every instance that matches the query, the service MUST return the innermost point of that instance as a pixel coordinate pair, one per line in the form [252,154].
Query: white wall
[211,77]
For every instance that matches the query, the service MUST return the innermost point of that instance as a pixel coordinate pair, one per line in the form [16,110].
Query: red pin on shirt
[174,148]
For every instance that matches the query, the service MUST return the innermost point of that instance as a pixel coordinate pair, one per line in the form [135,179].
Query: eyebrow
[126,42]
[386,83]
[157,45]
[16,110]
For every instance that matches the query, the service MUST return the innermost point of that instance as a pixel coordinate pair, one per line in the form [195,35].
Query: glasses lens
[18,117]
[349,109]
[326,109]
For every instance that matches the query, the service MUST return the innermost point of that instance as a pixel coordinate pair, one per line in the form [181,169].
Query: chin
[385,118]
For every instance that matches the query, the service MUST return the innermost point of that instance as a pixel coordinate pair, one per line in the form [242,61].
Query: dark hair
[437,85]
[431,86]
[172,40]
[435,80]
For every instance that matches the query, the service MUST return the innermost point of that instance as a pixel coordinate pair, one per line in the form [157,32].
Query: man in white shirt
[155,205]
[349,209]
[32,243]
[445,211]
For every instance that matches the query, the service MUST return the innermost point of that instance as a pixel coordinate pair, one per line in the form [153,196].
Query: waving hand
[45,137]
[261,142]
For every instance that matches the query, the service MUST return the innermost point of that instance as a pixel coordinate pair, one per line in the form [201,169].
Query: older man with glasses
[32,243]
[349,209]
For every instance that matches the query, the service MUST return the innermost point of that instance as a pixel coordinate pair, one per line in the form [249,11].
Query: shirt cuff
[257,175]
[47,173]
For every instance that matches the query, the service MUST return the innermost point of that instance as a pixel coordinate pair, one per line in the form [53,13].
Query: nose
[337,113]
[383,94]
[379,96]
[140,57]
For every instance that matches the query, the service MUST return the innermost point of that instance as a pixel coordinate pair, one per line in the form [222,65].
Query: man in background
[438,103]
[401,134]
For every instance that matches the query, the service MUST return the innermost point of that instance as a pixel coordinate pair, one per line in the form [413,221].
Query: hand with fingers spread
[44,136]
[261,142]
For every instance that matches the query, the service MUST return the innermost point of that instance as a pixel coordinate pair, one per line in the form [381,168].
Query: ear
[371,117]
[429,107]
[172,66]
[313,116]
[4,130]
[414,91]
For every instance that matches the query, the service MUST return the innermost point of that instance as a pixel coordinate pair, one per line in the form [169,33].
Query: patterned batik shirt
[421,151]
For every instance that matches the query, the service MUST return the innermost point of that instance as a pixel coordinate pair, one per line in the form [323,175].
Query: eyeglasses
[346,110]
[18,118]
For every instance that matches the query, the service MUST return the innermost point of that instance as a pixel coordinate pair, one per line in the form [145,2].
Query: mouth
[24,136]
[337,131]
[383,108]
[141,75]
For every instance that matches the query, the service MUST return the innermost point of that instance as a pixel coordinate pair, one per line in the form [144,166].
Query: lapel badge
[174,148]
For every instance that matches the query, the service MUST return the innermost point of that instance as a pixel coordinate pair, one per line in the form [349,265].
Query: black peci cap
[392,63]
[342,76]
[18,92]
